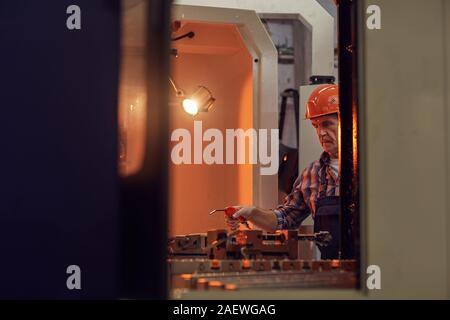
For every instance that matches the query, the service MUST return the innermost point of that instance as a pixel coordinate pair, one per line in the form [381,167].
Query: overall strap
[323,182]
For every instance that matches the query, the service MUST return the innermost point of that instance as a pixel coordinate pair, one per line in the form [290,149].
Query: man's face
[327,130]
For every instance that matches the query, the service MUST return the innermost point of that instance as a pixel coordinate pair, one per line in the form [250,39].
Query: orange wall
[195,190]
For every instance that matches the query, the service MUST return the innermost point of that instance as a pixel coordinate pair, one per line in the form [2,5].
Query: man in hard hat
[316,190]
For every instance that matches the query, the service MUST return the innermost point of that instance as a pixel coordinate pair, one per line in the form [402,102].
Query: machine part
[321,265]
[293,275]
[243,244]
[321,238]
[262,265]
[187,266]
[321,80]
[290,265]
[193,244]
[206,266]
[189,35]
[231,265]
[288,168]
[254,244]
[217,244]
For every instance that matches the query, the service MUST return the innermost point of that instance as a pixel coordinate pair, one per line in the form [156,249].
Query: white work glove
[244,212]
[233,224]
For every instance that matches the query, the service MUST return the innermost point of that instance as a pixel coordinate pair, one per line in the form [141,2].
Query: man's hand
[244,212]
[233,223]
[264,219]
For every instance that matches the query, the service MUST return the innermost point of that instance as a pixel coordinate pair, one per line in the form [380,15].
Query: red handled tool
[229,211]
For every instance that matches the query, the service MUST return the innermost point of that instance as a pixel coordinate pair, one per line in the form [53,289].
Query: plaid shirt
[302,201]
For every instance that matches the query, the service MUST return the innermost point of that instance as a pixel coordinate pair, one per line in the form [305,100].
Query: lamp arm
[178,92]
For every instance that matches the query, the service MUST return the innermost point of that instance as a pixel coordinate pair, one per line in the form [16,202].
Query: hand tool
[229,211]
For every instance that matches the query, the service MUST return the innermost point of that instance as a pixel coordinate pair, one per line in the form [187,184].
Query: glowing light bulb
[190,106]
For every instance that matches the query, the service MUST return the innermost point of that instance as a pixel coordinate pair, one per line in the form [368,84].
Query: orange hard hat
[322,101]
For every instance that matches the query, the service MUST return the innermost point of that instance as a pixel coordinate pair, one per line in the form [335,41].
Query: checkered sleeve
[294,209]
